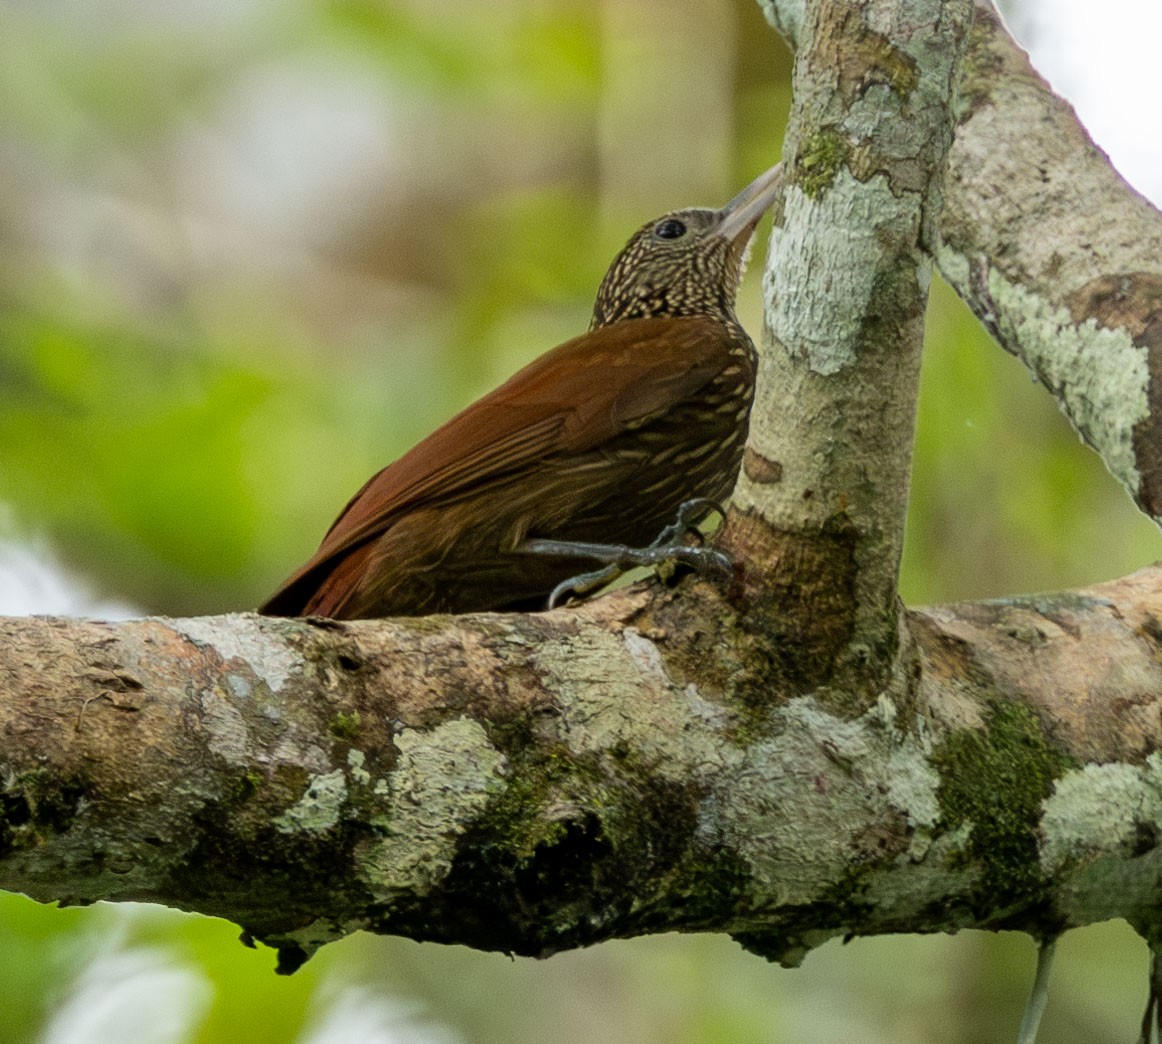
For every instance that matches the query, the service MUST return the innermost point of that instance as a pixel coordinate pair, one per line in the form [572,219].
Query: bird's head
[686,263]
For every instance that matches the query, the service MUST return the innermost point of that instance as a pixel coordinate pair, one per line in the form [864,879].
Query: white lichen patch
[785,16]
[609,698]
[705,713]
[355,761]
[800,807]
[294,749]
[441,783]
[226,732]
[319,808]
[242,636]
[1099,375]
[835,248]
[239,685]
[910,785]
[1101,810]
[596,686]
[645,654]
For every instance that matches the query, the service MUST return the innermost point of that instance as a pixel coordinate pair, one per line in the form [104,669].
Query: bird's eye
[671,228]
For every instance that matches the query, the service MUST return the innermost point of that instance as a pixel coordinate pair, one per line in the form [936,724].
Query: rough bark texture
[787,759]
[1059,256]
[826,471]
[531,783]
[1052,250]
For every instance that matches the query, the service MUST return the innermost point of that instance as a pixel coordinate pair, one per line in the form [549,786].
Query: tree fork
[789,759]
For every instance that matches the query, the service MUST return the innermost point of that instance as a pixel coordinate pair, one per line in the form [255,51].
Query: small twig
[1151,1019]
[1039,997]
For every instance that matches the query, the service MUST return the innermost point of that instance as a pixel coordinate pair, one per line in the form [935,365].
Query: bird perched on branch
[605,450]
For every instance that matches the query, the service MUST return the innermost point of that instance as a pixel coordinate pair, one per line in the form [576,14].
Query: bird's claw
[690,512]
[667,548]
[583,584]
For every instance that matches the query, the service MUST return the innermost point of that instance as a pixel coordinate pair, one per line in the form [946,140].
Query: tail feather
[321,588]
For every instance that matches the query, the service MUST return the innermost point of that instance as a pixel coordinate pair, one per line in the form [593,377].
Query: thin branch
[1039,995]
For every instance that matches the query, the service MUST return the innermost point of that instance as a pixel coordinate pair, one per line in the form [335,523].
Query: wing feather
[569,400]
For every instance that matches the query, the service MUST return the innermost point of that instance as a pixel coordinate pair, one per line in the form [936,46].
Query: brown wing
[575,397]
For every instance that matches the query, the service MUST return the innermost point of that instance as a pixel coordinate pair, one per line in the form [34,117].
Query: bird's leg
[617,558]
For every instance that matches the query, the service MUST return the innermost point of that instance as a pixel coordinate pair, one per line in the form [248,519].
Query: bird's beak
[737,220]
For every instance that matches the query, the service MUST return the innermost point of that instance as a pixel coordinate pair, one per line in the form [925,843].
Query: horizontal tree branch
[535,782]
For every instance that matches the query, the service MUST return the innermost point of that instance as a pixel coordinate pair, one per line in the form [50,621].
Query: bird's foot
[583,584]
[690,513]
[668,549]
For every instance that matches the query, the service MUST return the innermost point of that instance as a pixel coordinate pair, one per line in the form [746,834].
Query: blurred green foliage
[248,254]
